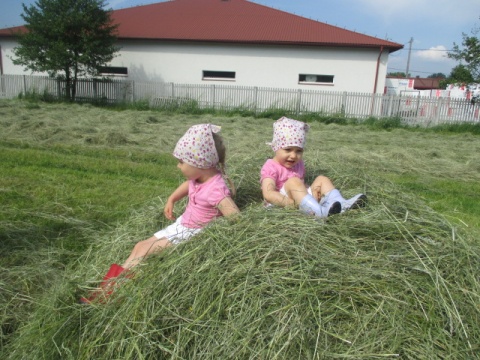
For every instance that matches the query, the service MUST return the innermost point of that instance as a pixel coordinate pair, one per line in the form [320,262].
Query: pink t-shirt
[280,174]
[203,199]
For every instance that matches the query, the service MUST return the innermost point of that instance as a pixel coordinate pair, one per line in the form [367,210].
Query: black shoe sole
[336,208]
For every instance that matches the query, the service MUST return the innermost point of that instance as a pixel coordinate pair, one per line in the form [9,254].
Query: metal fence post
[438,110]
[59,89]
[132,89]
[213,95]
[390,106]
[299,101]
[95,91]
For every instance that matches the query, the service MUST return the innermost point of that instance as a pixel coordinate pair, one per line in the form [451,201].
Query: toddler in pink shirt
[282,177]
[201,159]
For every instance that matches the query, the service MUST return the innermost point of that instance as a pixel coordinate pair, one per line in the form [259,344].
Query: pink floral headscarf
[288,132]
[197,147]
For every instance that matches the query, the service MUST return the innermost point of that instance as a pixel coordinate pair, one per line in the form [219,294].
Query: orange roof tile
[232,21]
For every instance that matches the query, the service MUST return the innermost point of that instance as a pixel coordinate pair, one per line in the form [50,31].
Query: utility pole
[408,59]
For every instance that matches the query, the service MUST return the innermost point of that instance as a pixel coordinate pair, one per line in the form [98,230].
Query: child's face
[190,172]
[288,156]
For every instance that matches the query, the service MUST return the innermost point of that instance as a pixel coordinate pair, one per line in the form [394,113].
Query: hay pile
[391,280]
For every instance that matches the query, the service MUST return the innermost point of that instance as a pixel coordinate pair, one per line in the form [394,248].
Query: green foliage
[67,39]
[436,76]
[397,74]
[460,75]
[384,123]
[470,53]
[34,96]
[275,113]
[457,128]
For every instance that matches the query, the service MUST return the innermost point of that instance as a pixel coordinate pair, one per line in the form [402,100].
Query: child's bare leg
[321,186]
[144,248]
[295,189]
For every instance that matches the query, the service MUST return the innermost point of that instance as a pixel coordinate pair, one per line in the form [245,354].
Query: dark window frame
[219,75]
[316,79]
[112,71]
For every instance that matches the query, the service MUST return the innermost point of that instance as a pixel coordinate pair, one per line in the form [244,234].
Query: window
[315,79]
[112,71]
[218,75]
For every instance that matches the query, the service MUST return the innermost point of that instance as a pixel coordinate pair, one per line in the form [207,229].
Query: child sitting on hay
[282,177]
[201,159]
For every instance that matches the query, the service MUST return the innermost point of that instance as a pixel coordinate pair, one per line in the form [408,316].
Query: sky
[428,29]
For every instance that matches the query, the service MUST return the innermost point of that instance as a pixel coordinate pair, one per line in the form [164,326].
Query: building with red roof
[236,42]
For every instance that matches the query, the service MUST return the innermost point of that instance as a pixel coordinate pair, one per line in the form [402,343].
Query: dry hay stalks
[391,280]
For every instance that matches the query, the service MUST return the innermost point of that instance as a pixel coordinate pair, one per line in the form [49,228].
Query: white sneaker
[355,202]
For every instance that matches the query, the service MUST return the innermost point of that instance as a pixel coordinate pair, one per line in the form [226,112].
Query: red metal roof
[232,21]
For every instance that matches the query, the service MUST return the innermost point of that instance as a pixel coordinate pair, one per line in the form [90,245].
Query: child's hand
[316,193]
[179,193]
[168,211]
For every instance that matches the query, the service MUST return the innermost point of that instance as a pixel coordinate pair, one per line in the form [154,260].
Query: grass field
[80,185]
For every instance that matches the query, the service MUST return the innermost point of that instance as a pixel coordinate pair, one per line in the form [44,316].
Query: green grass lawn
[58,195]
[458,201]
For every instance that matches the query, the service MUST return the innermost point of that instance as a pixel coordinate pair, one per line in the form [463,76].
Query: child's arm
[228,207]
[179,193]
[271,195]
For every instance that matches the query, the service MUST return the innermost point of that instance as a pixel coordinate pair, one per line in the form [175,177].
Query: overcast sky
[434,25]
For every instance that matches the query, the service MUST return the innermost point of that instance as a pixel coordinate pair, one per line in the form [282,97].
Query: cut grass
[54,204]
[60,192]
[81,185]
[458,201]
[389,281]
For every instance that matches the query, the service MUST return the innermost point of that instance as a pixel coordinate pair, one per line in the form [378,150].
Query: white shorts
[176,232]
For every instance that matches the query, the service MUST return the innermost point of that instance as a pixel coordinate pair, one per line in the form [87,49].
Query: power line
[413,71]
[426,49]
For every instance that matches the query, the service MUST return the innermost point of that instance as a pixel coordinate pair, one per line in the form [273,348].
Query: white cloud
[435,53]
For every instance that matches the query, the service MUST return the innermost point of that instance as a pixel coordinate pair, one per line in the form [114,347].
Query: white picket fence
[413,110]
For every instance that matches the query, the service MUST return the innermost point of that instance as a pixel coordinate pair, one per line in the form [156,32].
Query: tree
[437,76]
[470,53]
[459,75]
[397,74]
[67,39]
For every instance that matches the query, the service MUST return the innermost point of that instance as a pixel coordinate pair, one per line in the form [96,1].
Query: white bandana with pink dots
[197,147]
[288,132]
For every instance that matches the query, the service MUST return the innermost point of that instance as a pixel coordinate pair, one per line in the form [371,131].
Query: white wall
[6,54]
[267,66]
[270,66]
